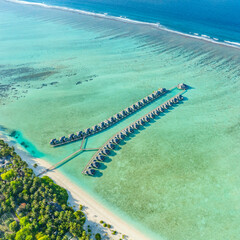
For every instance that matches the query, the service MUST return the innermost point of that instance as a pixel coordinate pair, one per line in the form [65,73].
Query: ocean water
[178,178]
[211,20]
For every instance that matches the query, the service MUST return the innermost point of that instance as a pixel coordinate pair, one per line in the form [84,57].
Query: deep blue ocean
[210,19]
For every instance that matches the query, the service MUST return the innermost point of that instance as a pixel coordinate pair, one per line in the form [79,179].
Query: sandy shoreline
[94,211]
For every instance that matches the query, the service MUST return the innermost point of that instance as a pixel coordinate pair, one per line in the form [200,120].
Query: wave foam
[127,20]
[233,43]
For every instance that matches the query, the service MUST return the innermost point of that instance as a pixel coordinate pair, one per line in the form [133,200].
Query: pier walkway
[110,121]
[68,158]
[106,147]
[109,145]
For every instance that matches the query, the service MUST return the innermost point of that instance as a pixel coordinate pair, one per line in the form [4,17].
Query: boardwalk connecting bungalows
[110,144]
[114,140]
[110,121]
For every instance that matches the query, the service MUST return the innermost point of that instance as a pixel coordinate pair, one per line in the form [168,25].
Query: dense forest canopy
[32,207]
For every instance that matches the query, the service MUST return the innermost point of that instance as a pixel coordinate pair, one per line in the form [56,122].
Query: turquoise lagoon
[61,72]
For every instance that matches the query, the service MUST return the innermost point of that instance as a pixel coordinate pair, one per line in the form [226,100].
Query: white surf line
[127,20]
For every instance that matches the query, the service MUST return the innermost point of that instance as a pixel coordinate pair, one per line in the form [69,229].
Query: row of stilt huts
[109,122]
[104,151]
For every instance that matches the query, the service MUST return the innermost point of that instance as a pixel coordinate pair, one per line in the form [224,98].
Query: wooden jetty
[105,148]
[110,121]
[68,158]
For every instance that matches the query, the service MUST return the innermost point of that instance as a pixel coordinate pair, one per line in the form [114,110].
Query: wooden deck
[88,166]
[116,121]
[111,138]
[67,158]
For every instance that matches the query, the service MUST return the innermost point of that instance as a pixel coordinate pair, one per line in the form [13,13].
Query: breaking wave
[127,20]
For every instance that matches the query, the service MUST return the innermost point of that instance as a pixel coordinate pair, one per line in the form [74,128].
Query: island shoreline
[94,211]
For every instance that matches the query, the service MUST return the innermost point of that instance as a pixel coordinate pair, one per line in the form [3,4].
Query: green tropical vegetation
[33,207]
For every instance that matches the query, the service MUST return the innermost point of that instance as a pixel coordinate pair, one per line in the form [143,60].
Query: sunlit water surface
[178,177]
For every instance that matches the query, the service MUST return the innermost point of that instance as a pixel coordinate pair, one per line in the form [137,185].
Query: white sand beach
[94,211]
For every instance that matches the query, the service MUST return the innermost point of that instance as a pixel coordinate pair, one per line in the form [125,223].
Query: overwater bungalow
[90,171]
[95,164]
[153,114]
[145,100]
[115,140]
[146,119]
[125,133]
[165,106]
[135,106]
[112,119]
[62,139]
[162,90]
[105,152]
[95,128]
[136,125]
[53,141]
[106,123]
[150,115]
[71,136]
[118,116]
[75,136]
[139,123]
[153,95]
[100,157]
[180,97]
[149,98]
[101,125]
[87,131]
[182,86]
[110,146]
[176,100]
[130,129]
[129,110]
[157,112]
[123,112]
[120,136]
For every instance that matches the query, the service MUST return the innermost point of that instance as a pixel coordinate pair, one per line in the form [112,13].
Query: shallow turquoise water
[179,176]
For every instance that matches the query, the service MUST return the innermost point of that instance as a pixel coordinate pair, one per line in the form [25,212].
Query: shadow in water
[67,160]
[112,153]
[119,146]
[97,174]
[102,166]
[108,159]
[122,143]
[85,143]
[140,129]
[122,119]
